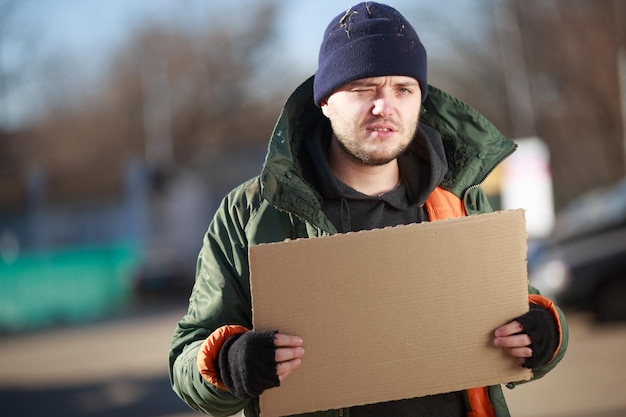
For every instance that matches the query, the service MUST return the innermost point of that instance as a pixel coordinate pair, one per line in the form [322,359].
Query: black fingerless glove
[539,325]
[247,363]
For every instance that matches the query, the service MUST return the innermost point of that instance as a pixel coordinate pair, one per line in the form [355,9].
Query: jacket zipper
[489,399]
[466,192]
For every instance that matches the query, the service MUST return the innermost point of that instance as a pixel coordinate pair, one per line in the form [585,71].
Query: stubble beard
[358,152]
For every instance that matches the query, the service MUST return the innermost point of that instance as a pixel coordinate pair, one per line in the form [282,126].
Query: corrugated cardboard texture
[395,313]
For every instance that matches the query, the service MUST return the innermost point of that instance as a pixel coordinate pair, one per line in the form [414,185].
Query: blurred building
[77,247]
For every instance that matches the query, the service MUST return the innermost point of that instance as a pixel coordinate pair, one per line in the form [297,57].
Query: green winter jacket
[280,203]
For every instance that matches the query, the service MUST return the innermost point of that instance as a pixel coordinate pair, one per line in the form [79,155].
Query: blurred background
[124,122]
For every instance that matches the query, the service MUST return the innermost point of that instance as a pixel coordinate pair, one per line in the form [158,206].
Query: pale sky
[89,31]
[93,27]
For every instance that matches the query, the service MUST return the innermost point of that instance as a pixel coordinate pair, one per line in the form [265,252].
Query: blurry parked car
[164,274]
[583,264]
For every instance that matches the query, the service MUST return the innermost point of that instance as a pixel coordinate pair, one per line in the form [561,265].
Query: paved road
[589,382]
[118,368]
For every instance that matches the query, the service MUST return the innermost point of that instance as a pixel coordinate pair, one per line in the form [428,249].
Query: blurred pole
[157,118]
[7,73]
[620,19]
[4,90]
[4,99]
[517,83]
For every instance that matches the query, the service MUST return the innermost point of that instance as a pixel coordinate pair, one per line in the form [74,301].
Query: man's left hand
[532,337]
[514,343]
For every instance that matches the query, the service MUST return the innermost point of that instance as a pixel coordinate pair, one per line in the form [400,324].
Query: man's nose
[383,105]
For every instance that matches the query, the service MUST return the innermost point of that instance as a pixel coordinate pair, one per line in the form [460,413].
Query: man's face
[374,119]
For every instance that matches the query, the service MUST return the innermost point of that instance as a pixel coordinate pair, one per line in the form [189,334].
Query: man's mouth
[383,128]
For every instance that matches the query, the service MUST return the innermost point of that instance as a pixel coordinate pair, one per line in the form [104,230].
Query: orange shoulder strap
[480,403]
[442,204]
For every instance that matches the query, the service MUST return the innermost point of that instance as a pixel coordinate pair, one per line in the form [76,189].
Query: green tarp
[39,289]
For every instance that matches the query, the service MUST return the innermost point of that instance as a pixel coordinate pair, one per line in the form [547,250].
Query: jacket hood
[473,147]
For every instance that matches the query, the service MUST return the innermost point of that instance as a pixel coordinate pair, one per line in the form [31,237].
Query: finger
[281,377]
[285,340]
[520,340]
[285,368]
[519,352]
[286,354]
[509,329]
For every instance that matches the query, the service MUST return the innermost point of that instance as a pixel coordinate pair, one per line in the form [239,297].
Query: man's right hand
[289,352]
[249,363]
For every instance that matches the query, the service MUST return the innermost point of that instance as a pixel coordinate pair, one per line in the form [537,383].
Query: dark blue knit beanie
[368,40]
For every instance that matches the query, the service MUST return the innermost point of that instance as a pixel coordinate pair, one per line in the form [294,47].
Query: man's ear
[324,107]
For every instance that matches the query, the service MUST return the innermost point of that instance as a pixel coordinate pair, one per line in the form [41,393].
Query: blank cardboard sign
[393,313]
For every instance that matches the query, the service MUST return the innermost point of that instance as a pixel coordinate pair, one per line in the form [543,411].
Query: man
[364,144]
